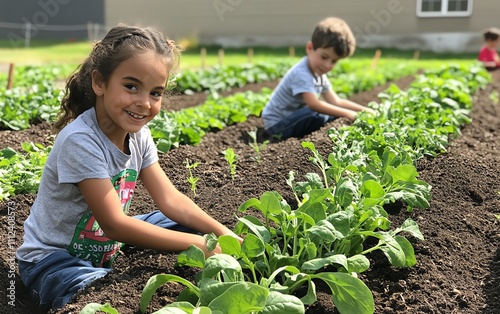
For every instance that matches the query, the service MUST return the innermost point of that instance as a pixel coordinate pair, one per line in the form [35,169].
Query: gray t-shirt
[59,218]
[287,97]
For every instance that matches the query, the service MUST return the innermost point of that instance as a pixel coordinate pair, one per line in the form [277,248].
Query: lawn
[49,52]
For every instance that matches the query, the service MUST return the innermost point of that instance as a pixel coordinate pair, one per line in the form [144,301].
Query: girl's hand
[203,246]
[218,249]
[229,232]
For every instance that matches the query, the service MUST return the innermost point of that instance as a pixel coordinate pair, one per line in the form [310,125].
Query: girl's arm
[178,206]
[105,205]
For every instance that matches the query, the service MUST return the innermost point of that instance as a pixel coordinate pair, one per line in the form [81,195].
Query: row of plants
[222,78]
[34,98]
[21,107]
[217,78]
[27,75]
[372,164]
[189,126]
[20,172]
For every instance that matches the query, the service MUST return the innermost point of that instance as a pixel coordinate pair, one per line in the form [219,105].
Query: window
[442,8]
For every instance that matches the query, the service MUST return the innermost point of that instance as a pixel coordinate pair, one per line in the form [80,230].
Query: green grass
[45,52]
[49,52]
[73,53]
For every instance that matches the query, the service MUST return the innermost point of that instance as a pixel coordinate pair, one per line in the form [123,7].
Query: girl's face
[321,60]
[132,96]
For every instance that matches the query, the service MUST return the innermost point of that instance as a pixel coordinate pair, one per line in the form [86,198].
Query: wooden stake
[203,57]
[291,51]
[221,57]
[250,55]
[378,53]
[11,76]
[416,55]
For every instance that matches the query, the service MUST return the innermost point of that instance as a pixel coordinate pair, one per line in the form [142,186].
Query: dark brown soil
[458,268]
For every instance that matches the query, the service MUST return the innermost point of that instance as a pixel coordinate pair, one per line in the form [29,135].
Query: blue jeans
[55,279]
[301,122]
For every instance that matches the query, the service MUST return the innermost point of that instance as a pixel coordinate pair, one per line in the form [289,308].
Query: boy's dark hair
[491,34]
[334,33]
[119,44]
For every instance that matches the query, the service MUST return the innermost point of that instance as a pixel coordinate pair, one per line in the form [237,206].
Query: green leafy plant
[494,97]
[192,179]
[258,147]
[231,159]
[93,308]
[20,172]
[220,288]
[349,294]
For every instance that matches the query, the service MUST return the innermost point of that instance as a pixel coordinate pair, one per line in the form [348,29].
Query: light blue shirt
[287,97]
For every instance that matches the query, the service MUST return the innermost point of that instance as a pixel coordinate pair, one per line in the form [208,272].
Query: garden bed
[458,263]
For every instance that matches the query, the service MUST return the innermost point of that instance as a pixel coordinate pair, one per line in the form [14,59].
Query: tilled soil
[458,269]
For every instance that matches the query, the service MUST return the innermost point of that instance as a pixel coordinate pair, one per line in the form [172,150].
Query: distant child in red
[488,54]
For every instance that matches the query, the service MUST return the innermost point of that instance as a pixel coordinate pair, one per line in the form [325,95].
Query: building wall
[242,21]
[375,23]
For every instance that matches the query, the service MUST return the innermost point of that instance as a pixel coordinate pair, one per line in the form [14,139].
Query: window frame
[444,10]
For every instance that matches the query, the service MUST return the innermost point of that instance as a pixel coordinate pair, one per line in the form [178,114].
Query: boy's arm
[318,105]
[332,98]
[333,105]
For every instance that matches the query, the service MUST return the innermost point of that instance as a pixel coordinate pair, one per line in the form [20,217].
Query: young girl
[79,220]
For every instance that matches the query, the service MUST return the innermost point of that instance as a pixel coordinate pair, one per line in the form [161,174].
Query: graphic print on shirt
[319,84]
[89,241]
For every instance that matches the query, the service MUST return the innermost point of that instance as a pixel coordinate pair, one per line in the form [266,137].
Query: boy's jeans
[302,122]
[53,280]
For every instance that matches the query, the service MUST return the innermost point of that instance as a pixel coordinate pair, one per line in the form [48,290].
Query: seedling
[231,159]
[92,308]
[192,179]
[255,145]
[494,97]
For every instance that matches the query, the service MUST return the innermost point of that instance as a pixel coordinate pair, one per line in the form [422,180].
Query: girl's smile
[135,116]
